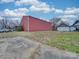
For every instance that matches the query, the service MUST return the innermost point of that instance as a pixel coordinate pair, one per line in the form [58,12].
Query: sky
[44,9]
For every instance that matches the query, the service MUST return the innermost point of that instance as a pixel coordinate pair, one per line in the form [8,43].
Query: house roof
[75,23]
[62,24]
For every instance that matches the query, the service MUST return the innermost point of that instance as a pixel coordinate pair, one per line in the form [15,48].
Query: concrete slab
[47,52]
[17,48]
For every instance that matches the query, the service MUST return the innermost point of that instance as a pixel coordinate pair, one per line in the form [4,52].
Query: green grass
[66,41]
[63,40]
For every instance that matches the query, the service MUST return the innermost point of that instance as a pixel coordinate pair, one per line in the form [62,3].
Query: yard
[68,41]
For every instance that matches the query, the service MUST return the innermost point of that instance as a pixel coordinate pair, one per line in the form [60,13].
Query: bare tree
[13,23]
[3,23]
[55,22]
[8,23]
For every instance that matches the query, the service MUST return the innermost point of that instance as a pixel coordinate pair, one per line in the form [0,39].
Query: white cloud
[68,16]
[68,11]
[71,11]
[6,1]
[39,6]
[58,11]
[21,10]
[35,5]
[53,9]
[27,2]
[42,8]
[15,12]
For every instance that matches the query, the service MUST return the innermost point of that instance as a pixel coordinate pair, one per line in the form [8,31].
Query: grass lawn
[63,40]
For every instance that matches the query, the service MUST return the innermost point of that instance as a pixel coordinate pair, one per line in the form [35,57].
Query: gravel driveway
[24,48]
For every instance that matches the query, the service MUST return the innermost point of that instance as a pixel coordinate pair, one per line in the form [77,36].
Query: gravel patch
[23,48]
[16,48]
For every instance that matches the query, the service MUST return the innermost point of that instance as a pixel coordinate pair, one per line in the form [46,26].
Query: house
[76,25]
[64,27]
[31,24]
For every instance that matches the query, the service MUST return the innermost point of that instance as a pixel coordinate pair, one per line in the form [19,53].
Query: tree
[55,21]
[3,23]
[9,24]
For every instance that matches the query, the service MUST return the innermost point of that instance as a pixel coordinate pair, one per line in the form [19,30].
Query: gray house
[62,26]
[76,25]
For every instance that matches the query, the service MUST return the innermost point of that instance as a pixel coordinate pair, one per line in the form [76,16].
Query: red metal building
[31,24]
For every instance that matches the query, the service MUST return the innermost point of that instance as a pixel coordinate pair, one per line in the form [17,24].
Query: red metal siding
[35,24]
[39,25]
[24,23]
